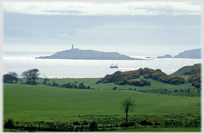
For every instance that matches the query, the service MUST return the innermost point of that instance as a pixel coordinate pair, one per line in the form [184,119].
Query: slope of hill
[131,77]
[195,78]
[193,54]
[88,55]
[181,70]
[123,78]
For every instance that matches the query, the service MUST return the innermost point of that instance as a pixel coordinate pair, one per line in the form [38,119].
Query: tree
[10,77]
[15,76]
[31,75]
[45,81]
[128,105]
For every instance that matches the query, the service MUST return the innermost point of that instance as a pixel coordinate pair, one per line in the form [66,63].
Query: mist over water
[67,68]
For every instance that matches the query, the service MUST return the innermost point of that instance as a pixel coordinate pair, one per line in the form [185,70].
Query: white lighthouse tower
[72,46]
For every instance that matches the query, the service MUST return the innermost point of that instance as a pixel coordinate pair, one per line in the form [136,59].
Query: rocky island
[191,54]
[165,56]
[76,53]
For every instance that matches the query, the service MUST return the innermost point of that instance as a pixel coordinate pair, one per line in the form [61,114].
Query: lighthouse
[72,46]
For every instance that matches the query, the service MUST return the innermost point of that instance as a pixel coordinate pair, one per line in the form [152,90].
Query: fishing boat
[114,66]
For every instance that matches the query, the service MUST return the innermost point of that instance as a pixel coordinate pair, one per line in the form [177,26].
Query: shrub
[146,122]
[114,88]
[85,123]
[9,124]
[193,70]
[54,83]
[146,82]
[76,123]
[45,81]
[93,126]
[127,124]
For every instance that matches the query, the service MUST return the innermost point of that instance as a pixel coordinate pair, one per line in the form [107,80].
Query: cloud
[103,8]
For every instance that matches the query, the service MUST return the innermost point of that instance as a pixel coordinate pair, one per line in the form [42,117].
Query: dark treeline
[31,75]
[176,92]
[67,85]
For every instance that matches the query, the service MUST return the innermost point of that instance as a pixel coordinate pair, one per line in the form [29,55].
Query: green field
[109,86]
[31,103]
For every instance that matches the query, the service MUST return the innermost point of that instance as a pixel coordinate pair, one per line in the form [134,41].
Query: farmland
[164,103]
[34,103]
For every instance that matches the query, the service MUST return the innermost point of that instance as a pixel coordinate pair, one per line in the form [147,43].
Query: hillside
[131,77]
[88,55]
[181,70]
[193,54]
[123,78]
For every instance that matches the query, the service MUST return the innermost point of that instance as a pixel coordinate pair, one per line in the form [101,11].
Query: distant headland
[191,54]
[75,53]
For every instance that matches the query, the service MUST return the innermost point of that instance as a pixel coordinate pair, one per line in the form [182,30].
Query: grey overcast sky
[131,28]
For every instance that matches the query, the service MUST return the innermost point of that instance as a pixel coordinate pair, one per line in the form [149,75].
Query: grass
[31,103]
[181,70]
[109,86]
[43,103]
[162,130]
[142,130]
[191,129]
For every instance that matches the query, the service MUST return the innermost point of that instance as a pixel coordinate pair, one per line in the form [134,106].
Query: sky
[130,28]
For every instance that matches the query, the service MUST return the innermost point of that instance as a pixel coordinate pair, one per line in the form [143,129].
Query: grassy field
[109,86]
[35,103]
[141,130]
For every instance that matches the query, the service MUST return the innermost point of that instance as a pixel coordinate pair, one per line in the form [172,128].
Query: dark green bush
[146,122]
[9,124]
[127,124]
[93,126]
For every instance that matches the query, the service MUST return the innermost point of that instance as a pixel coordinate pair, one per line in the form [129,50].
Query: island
[192,54]
[165,56]
[75,53]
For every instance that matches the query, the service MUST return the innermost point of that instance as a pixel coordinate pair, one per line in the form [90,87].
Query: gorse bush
[145,122]
[123,78]
[195,78]
[196,68]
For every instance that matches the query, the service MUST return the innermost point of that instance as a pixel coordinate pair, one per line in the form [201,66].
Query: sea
[68,68]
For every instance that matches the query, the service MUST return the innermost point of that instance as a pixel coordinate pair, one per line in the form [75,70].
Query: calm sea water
[62,68]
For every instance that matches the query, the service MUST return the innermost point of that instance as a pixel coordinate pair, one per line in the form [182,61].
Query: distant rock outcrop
[165,56]
[193,54]
[87,55]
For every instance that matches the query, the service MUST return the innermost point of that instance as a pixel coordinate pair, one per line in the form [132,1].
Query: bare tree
[31,75]
[128,105]
[14,74]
